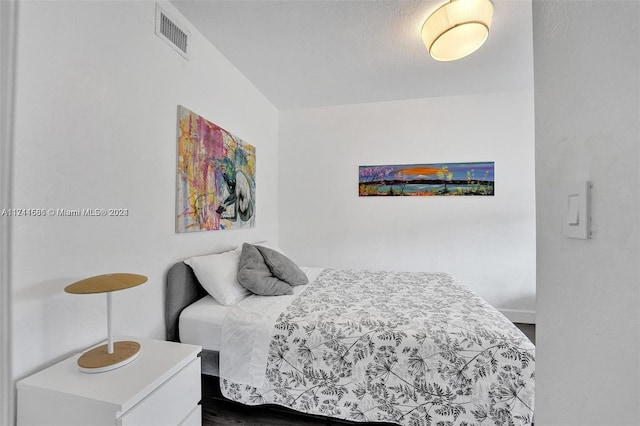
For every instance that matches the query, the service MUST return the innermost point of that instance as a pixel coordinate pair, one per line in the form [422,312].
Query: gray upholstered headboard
[183,289]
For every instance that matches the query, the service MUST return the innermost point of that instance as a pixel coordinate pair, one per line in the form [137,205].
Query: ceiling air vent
[172,32]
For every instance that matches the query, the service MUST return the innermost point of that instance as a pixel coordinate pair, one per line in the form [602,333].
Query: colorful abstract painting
[216,177]
[458,179]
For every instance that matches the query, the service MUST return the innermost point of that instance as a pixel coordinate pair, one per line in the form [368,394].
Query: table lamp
[113,354]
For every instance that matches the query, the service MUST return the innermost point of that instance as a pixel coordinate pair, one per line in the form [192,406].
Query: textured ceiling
[317,53]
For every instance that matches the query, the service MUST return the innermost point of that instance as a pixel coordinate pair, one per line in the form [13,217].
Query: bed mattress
[201,323]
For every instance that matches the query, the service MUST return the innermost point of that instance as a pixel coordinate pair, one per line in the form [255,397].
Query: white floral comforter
[406,348]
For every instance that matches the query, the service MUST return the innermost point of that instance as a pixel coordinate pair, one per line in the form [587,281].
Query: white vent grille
[172,32]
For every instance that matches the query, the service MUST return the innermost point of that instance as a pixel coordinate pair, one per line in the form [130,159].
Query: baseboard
[522,317]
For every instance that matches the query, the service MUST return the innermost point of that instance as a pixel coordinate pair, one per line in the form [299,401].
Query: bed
[364,346]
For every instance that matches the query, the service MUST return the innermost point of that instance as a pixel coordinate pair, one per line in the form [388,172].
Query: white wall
[587,100]
[97,97]
[8,30]
[487,242]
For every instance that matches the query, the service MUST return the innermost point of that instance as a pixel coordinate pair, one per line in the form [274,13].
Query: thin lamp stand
[109,324]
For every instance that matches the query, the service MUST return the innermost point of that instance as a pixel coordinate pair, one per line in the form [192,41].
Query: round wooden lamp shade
[111,355]
[105,283]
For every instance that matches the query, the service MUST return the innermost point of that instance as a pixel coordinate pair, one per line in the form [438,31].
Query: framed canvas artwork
[449,179]
[216,172]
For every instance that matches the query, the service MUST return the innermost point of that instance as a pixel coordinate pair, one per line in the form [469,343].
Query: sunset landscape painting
[438,179]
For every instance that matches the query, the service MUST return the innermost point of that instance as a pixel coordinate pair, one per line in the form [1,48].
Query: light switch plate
[576,220]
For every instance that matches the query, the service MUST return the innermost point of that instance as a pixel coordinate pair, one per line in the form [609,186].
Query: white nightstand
[160,387]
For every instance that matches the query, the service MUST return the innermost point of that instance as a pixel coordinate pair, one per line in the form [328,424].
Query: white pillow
[218,274]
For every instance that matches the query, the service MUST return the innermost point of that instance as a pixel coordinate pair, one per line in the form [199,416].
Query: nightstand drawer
[170,403]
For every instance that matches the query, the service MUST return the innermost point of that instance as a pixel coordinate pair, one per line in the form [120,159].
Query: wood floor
[220,412]
[229,413]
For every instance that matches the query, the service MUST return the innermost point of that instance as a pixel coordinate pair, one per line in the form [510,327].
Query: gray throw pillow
[255,275]
[283,267]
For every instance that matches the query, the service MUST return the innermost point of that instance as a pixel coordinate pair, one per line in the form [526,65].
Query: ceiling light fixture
[457,28]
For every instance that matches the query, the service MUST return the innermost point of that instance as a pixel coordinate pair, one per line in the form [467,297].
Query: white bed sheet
[201,323]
